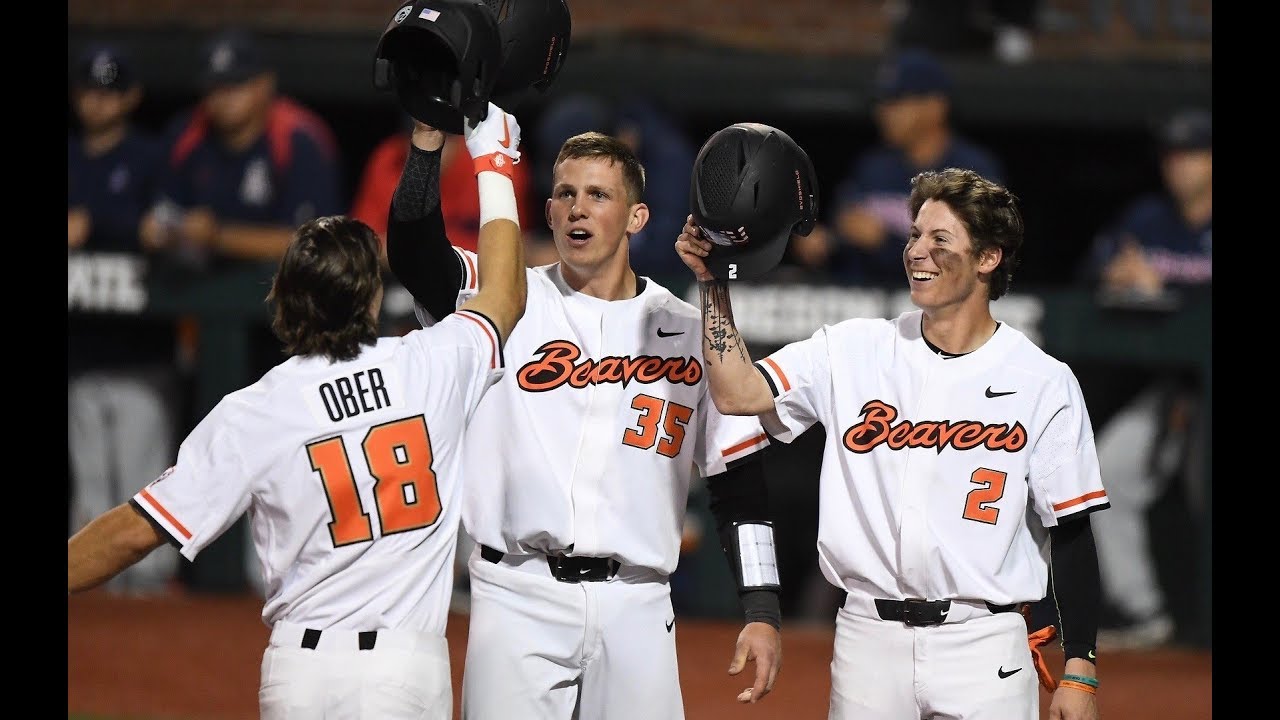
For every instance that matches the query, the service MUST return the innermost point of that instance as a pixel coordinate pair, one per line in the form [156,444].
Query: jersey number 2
[673,422]
[977,502]
[399,458]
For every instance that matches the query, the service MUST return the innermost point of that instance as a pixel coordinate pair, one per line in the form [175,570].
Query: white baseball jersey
[350,473]
[933,465]
[590,442]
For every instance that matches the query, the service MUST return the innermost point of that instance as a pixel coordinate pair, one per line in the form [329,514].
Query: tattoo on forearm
[720,333]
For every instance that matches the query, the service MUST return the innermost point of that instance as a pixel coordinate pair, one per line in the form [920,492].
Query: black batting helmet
[752,187]
[442,59]
[535,41]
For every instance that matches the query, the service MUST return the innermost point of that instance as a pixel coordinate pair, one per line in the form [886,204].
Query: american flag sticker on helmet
[429,14]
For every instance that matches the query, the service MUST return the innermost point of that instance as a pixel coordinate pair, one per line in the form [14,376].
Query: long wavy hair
[987,209]
[325,289]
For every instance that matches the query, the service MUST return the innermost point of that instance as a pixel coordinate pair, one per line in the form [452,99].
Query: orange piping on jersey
[786,384]
[471,269]
[743,445]
[1083,498]
[488,332]
[160,509]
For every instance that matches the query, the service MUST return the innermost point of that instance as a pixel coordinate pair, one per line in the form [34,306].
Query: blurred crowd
[230,178]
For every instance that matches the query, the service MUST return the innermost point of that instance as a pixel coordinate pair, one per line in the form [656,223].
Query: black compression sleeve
[740,494]
[418,248]
[1077,587]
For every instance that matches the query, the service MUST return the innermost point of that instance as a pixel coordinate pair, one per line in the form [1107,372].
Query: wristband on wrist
[1078,686]
[1092,682]
[761,606]
[495,162]
[497,198]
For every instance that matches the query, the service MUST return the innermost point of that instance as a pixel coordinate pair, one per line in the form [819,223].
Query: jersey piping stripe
[469,282]
[490,331]
[773,388]
[777,371]
[186,534]
[752,442]
[1082,499]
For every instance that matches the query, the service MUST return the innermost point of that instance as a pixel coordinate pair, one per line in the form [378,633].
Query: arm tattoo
[719,332]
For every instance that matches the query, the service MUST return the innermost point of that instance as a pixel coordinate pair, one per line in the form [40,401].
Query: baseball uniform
[588,449]
[350,473]
[939,476]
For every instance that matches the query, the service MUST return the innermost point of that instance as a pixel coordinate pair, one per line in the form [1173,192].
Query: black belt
[925,612]
[568,568]
[311,638]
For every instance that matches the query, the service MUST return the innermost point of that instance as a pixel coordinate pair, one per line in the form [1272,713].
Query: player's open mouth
[578,236]
[923,275]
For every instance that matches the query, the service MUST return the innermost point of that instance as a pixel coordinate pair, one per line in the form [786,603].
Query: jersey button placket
[917,468]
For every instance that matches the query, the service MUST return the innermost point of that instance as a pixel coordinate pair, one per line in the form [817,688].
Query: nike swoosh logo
[991,394]
[671,624]
[506,133]
[1092,656]
[1004,674]
[668,334]
[583,571]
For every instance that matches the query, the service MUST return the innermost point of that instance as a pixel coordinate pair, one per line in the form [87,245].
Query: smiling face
[591,215]
[942,270]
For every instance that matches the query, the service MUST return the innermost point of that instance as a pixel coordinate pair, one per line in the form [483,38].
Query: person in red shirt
[459,201]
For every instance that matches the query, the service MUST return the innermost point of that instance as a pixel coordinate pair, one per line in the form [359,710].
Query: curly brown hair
[325,288]
[988,210]
[598,145]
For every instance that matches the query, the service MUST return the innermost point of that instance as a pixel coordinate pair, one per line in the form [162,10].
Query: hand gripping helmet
[535,41]
[442,59]
[752,187]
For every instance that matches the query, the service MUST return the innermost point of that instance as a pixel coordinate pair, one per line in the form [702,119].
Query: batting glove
[493,142]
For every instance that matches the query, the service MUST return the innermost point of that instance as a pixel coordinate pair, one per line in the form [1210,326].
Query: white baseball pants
[405,676]
[542,649]
[975,666]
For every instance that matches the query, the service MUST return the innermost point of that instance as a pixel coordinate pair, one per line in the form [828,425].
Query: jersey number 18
[399,458]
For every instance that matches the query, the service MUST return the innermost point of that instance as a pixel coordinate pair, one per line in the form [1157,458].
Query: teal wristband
[1091,682]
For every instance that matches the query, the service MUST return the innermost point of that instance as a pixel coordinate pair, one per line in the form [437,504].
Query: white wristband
[497,197]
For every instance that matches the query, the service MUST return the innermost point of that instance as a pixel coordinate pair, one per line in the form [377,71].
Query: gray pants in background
[1139,455]
[120,430]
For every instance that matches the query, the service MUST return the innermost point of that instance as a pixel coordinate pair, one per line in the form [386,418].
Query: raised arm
[418,250]
[493,144]
[737,387]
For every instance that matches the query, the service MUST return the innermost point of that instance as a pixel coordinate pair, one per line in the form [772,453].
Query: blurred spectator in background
[459,196]
[870,220]
[122,378]
[1001,29]
[662,145]
[1160,250]
[244,168]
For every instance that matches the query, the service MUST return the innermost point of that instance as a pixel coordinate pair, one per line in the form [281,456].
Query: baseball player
[347,457]
[953,443]
[581,459]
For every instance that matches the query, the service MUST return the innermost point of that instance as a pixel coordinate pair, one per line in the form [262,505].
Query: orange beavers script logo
[877,427]
[556,367]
